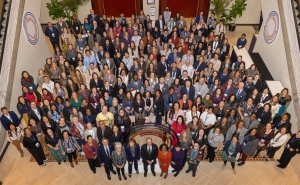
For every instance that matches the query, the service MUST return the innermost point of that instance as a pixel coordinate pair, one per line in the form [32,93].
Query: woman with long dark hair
[23,107]
[69,147]
[52,141]
[90,149]
[27,81]
[279,139]
[231,148]
[15,136]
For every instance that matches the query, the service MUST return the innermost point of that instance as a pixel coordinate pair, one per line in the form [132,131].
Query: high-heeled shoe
[129,175]
[119,176]
[162,173]
[124,176]
[166,175]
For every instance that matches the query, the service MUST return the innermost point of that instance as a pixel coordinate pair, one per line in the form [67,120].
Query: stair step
[5,15]
[4,22]
[295,4]
[6,7]
[8,1]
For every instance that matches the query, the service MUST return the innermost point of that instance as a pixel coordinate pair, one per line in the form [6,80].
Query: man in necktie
[104,156]
[149,153]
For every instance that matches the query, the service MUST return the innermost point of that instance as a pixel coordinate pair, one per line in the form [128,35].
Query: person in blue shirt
[89,59]
[172,56]
[200,16]
[241,42]
[53,34]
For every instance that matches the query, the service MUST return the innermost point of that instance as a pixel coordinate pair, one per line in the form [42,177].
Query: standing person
[31,143]
[177,161]
[75,26]
[52,141]
[118,157]
[159,106]
[275,143]
[164,159]
[149,153]
[77,128]
[265,134]
[230,151]
[215,141]
[194,157]
[249,146]
[53,34]
[90,149]
[15,136]
[69,147]
[290,150]
[104,156]
[133,156]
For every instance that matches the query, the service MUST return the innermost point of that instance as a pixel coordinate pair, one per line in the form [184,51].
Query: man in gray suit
[60,25]
[251,122]
[201,88]
[181,21]
[162,86]
[93,38]
[109,61]
[185,33]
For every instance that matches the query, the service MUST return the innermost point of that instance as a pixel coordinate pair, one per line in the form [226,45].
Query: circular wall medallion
[31,28]
[271,27]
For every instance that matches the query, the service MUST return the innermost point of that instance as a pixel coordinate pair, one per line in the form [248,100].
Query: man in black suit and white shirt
[215,44]
[103,131]
[104,156]
[149,153]
[240,93]
[35,112]
[159,23]
[249,86]
[162,67]
[93,17]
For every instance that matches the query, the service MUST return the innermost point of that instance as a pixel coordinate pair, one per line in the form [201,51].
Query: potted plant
[236,10]
[219,7]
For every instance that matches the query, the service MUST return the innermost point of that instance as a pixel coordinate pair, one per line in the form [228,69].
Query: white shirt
[136,40]
[279,140]
[49,86]
[37,113]
[189,69]
[8,117]
[189,116]
[208,119]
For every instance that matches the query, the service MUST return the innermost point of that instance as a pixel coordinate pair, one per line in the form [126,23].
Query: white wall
[274,54]
[45,18]
[29,57]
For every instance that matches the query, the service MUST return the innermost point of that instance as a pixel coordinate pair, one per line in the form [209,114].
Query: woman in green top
[87,26]
[207,101]
[230,150]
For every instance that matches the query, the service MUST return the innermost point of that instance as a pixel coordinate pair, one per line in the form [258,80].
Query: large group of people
[120,72]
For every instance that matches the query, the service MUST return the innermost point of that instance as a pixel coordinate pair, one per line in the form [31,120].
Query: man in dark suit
[215,44]
[9,117]
[240,93]
[67,110]
[162,67]
[185,33]
[109,61]
[97,28]
[93,17]
[188,89]
[165,36]
[149,153]
[103,131]
[53,34]
[35,112]
[172,56]
[203,30]
[175,72]
[104,156]
[249,86]
[159,23]
[169,99]
[100,56]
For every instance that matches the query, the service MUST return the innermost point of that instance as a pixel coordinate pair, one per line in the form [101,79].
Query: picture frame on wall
[149,2]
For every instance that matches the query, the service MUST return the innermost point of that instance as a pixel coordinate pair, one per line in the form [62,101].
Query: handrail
[295,19]
[5,32]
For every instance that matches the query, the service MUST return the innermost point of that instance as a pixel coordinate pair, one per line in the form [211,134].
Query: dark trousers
[206,131]
[93,163]
[38,154]
[70,155]
[146,167]
[232,164]
[258,150]
[135,163]
[55,43]
[286,157]
[271,152]
[108,167]
[211,153]
[80,142]
[185,156]
[158,117]
[119,170]
[192,167]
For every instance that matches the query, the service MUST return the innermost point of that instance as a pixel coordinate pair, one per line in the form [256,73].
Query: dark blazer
[100,83]
[287,124]
[227,50]
[249,88]
[237,149]
[267,98]
[117,88]
[145,155]
[223,66]
[164,39]
[178,72]
[262,117]
[91,118]
[29,143]
[32,115]
[110,49]
[259,85]
[241,43]
[211,43]
[118,138]
[201,67]
[242,96]
[224,88]
[136,106]
[161,70]
[191,92]
[171,58]
[67,112]
[107,133]
[52,34]
[159,103]
[95,18]
[83,109]
[5,121]
[100,56]
[223,78]
[167,100]
[126,122]
[102,156]
[137,153]
[157,24]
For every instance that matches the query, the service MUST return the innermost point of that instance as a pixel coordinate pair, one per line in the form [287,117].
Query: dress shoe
[279,166]
[193,175]
[177,172]
[59,163]
[241,164]
[162,173]
[166,175]
[119,176]
[278,160]
[187,171]
[129,175]
[239,160]
[137,172]
[108,177]
[114,172]
[124,177]
[65,160]
[72,165]
[145,174]
[173,171]
[154,174]
[94,171]
[76,162]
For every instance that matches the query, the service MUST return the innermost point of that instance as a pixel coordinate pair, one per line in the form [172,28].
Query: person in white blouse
[279,139]
[188,56]
[192,113]
[220,28]
[15,136]
[48,84]
[275,106]
[189,68]
[208,120]
[136,38]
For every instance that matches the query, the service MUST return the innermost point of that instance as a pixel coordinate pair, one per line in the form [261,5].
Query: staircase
[3,25]
[296,10]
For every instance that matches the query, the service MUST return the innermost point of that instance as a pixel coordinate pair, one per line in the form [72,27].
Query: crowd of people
[120,72]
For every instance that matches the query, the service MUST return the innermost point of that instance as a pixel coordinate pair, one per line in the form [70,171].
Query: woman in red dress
[164,159]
